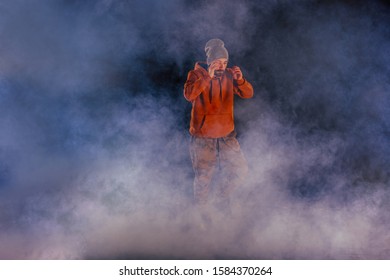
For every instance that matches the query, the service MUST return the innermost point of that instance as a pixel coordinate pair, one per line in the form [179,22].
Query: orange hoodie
[212,101]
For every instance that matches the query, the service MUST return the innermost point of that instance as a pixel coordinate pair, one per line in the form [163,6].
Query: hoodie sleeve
[243,88]
[195,84]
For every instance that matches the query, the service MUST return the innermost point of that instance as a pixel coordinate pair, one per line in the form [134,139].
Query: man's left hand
[237,74]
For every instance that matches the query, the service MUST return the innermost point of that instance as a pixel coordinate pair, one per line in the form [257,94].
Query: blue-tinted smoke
[94,159]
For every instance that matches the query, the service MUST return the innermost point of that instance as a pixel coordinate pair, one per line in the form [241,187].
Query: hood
[200,65]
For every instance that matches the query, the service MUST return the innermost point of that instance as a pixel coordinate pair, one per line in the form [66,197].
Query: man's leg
[204,158]
[234,167]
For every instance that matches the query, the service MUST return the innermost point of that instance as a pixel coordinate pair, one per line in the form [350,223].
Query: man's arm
[241,86]
[195,84]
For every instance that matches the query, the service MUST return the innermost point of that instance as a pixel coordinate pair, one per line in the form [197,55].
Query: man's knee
[202,188]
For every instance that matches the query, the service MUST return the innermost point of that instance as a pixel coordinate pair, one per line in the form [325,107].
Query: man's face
[219,66]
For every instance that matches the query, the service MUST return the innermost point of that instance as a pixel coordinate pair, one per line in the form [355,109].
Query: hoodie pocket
[217,125]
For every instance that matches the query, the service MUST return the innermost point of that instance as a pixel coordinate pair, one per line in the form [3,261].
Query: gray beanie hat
[215,49]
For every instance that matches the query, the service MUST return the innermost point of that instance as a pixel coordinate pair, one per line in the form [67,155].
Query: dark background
[94,141]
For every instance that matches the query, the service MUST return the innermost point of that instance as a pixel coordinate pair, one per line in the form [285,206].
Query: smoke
[94,159]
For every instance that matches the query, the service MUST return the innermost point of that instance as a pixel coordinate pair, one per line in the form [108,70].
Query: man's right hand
[213,66]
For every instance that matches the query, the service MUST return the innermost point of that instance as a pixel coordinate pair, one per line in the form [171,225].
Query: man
[211,88]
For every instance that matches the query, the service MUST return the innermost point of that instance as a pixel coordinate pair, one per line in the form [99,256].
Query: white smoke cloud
[94,159]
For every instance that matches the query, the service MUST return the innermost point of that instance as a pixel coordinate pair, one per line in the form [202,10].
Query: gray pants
[217,157]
